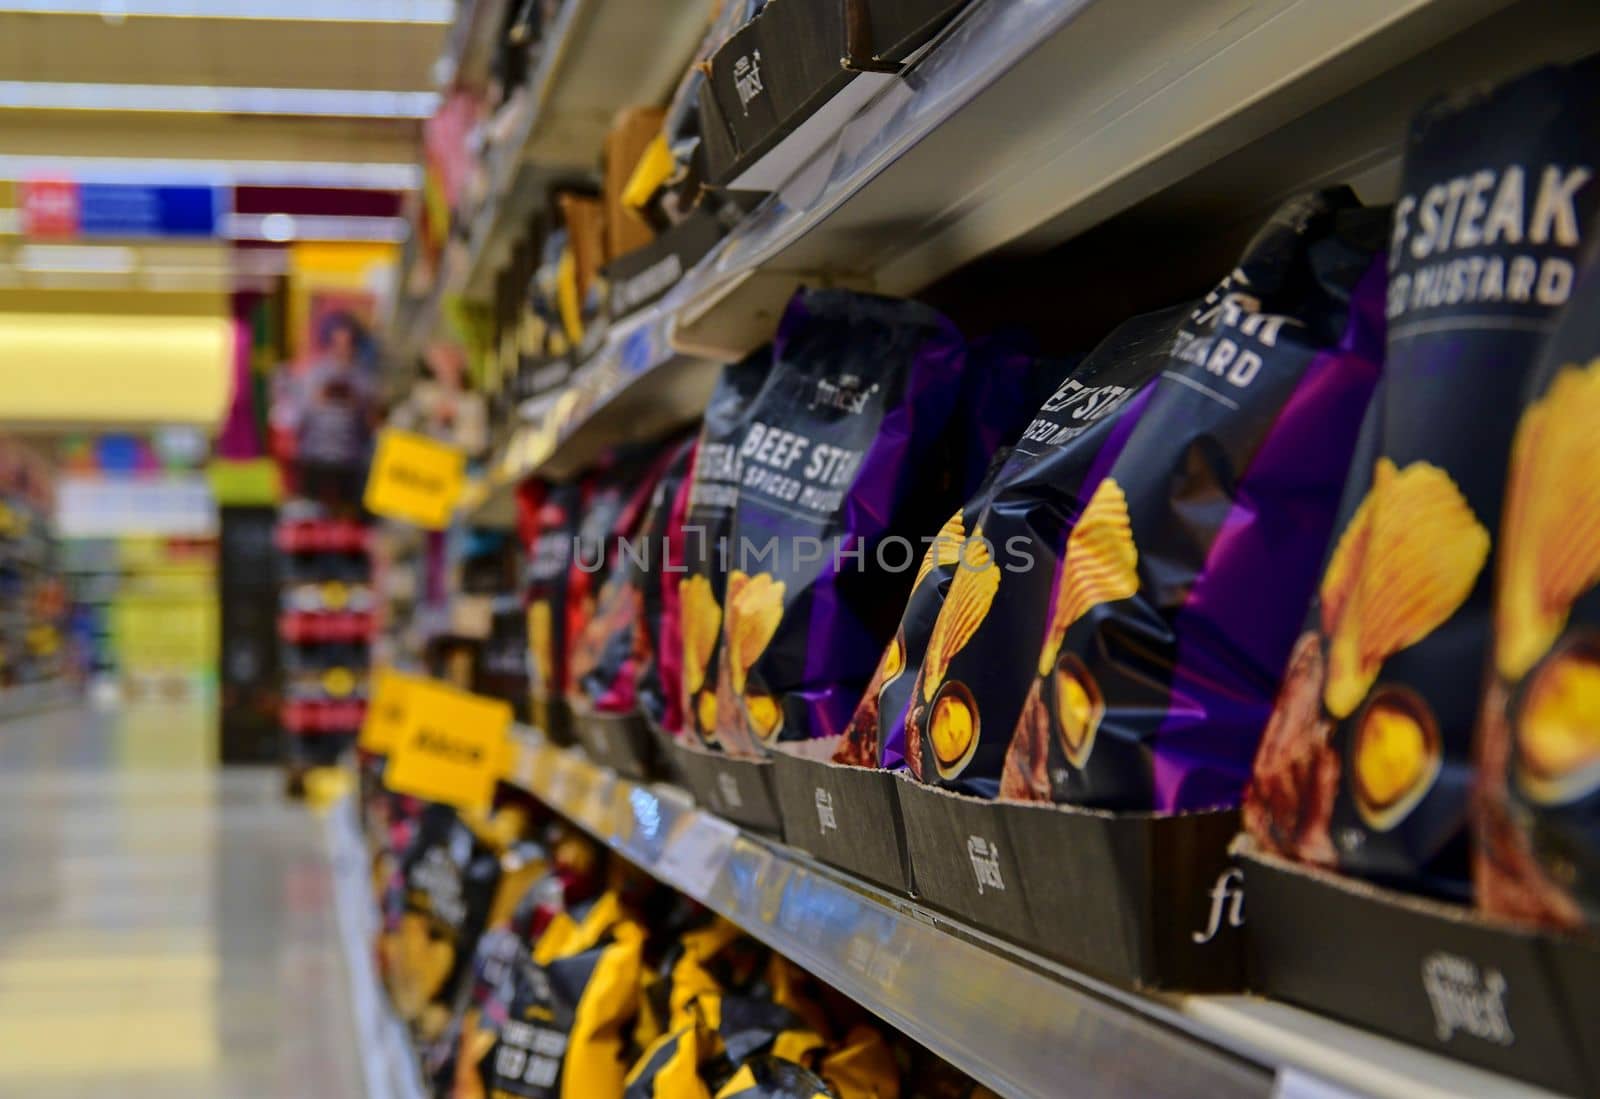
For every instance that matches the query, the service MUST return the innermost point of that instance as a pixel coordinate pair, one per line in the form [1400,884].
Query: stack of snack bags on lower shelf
[567,976]
[1467,540]
[448,877]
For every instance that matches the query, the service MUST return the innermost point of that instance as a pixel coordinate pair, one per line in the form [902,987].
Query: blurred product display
[860,549]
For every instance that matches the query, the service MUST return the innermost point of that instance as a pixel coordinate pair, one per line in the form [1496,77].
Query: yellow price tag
[386,711]
[415,479]
[454,746]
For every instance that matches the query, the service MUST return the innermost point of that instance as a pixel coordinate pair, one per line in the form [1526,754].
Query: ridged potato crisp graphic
[971,595]
[755,607]
[1550,552]
[1557,725]
[1397,755]
[702,619]
[1100,566]
[945,550]
[541,642]
[766,716]
[417,965]
[1404,564]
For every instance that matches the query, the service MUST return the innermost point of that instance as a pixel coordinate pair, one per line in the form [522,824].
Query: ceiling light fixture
[199,99]
[323,175]
[427,12]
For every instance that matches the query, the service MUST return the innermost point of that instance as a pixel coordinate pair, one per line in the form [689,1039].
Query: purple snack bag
[1127,647]
[838,463]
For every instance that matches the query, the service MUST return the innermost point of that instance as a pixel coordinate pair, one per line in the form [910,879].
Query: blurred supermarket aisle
[166,928]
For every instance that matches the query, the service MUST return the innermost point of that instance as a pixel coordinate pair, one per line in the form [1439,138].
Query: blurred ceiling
[44,56]
[284,96]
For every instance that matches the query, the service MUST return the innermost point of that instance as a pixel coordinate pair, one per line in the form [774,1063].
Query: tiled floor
[166,928]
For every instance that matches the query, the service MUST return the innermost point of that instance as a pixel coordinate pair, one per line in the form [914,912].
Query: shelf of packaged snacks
[1032,121]
[635,388]
[598,57]
[470,45]
[1012,1020]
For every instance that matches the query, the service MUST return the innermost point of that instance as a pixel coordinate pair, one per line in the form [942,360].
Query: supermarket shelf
[469,49]
[1014,1021]
[599,57]
[636,388]
[1035,120]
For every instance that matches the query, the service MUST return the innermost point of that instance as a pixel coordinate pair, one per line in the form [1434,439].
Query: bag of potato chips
[713,494]
[548,521]
[1006,387]
[1366,762]
[448,877]
[836,460]
[1119,632]
[612,643]
[660,683]
[572,1002]
[1537,805]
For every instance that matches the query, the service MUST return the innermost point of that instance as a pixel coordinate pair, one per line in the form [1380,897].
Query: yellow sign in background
[386,711]
[453,747]
[415,479]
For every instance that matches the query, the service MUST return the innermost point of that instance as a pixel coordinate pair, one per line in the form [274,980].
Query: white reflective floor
[166,928]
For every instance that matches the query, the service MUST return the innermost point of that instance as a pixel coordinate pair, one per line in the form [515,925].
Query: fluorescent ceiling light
[220,173]
[320,11]
[78,259]
[199,99]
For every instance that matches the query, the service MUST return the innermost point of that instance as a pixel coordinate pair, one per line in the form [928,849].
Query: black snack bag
[1366,762]
[840,459]
[713,495]
[548,522]
[658,685]
[1143,608]
[1537,850]
[1089,412]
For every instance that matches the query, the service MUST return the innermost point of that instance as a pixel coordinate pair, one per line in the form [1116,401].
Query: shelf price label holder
[386,711]
[454,747]
[415,479]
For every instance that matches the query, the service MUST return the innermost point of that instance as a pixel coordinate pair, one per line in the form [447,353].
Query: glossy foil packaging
[1120,641]
[839,454]
[713,495]
[612,643]
[1537,855]
[1366,764]
[548,522]
[659,684]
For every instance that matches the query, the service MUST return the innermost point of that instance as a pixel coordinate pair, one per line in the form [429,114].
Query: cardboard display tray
[846,816]
[740,790]
[638,278]
[1143,899]
[622,742]
[1428,973]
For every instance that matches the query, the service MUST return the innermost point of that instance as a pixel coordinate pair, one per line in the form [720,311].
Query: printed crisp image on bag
[1132,661]
[1366,764]
[713,495]
[835,458]
[1537,805]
